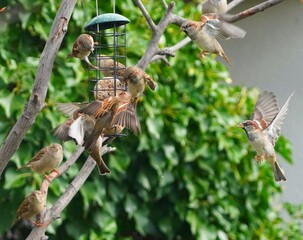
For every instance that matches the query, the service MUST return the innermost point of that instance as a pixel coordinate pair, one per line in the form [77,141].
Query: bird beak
[241,125]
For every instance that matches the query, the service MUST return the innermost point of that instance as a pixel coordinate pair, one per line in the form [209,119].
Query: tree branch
[157,33]
[145,13]
[253,10]
[37,98]
[54,212]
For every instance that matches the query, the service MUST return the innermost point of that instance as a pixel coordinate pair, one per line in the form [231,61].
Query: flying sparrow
[206,31]
[114,110]
[89,123]
[107,66]
[264,129]
[31,206]
[136,79]
[82,48]
[214,6]
[46,160]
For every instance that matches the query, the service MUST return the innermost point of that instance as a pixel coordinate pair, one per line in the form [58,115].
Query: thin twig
[145,13]
[253,10]
[162,58]
[164,4]
[153,44]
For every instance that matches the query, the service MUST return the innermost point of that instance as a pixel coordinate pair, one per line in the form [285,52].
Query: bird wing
[91,108]
[223,30]
[69,108]
[129,119]
[266,109]
[39,154]
[274,129]
[76,131]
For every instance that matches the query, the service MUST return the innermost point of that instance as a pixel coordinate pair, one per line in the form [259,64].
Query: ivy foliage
[190,174]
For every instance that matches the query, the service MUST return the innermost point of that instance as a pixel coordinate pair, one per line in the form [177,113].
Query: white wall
[270,57]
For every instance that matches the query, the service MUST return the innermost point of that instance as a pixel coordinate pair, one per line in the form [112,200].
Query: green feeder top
[105,21]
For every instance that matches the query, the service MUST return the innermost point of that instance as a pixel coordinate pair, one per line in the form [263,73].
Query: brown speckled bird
[82,48]
[136,79]
[110,115]
[264,129]
[46,160]
[31,206]
[206,32]
[107,65]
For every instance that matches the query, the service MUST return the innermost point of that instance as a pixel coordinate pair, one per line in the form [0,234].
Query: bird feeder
[109,31]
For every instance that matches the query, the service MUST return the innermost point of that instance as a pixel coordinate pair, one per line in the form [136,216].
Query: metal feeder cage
[109,31]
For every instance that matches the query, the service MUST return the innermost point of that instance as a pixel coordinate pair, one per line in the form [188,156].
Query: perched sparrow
[214,6]
[136,79]
[82,48]
[205,33]
[107,65]
[105,88]
[46,160]
[264,129]
[31,206]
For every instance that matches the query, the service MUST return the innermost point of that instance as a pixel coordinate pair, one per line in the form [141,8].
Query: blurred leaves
[189,175]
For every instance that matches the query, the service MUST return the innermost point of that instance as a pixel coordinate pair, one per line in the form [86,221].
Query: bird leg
[202,53]
[40,224]
[47,178]
[57,171]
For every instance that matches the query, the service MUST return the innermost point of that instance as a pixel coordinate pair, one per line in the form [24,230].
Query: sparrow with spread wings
[264,129]
[206,32]
[88,123]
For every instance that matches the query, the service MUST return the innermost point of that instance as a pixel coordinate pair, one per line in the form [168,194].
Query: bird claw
[40,224]
[57,171]
[201,54]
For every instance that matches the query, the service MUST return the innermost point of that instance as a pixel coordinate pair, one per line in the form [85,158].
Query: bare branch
[253,10]
[164,4]
[153,44]
[233,4]
[180,44]
[160,57]
[37,98]
[145,13]
[54,212]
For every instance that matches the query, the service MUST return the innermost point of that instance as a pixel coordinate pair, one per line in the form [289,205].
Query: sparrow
[264,129]
[89,123]
[107,65]
[136,79]
[205,33]
[46,160]
[31,206]
[214,6]
[82,48]
[114,110]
